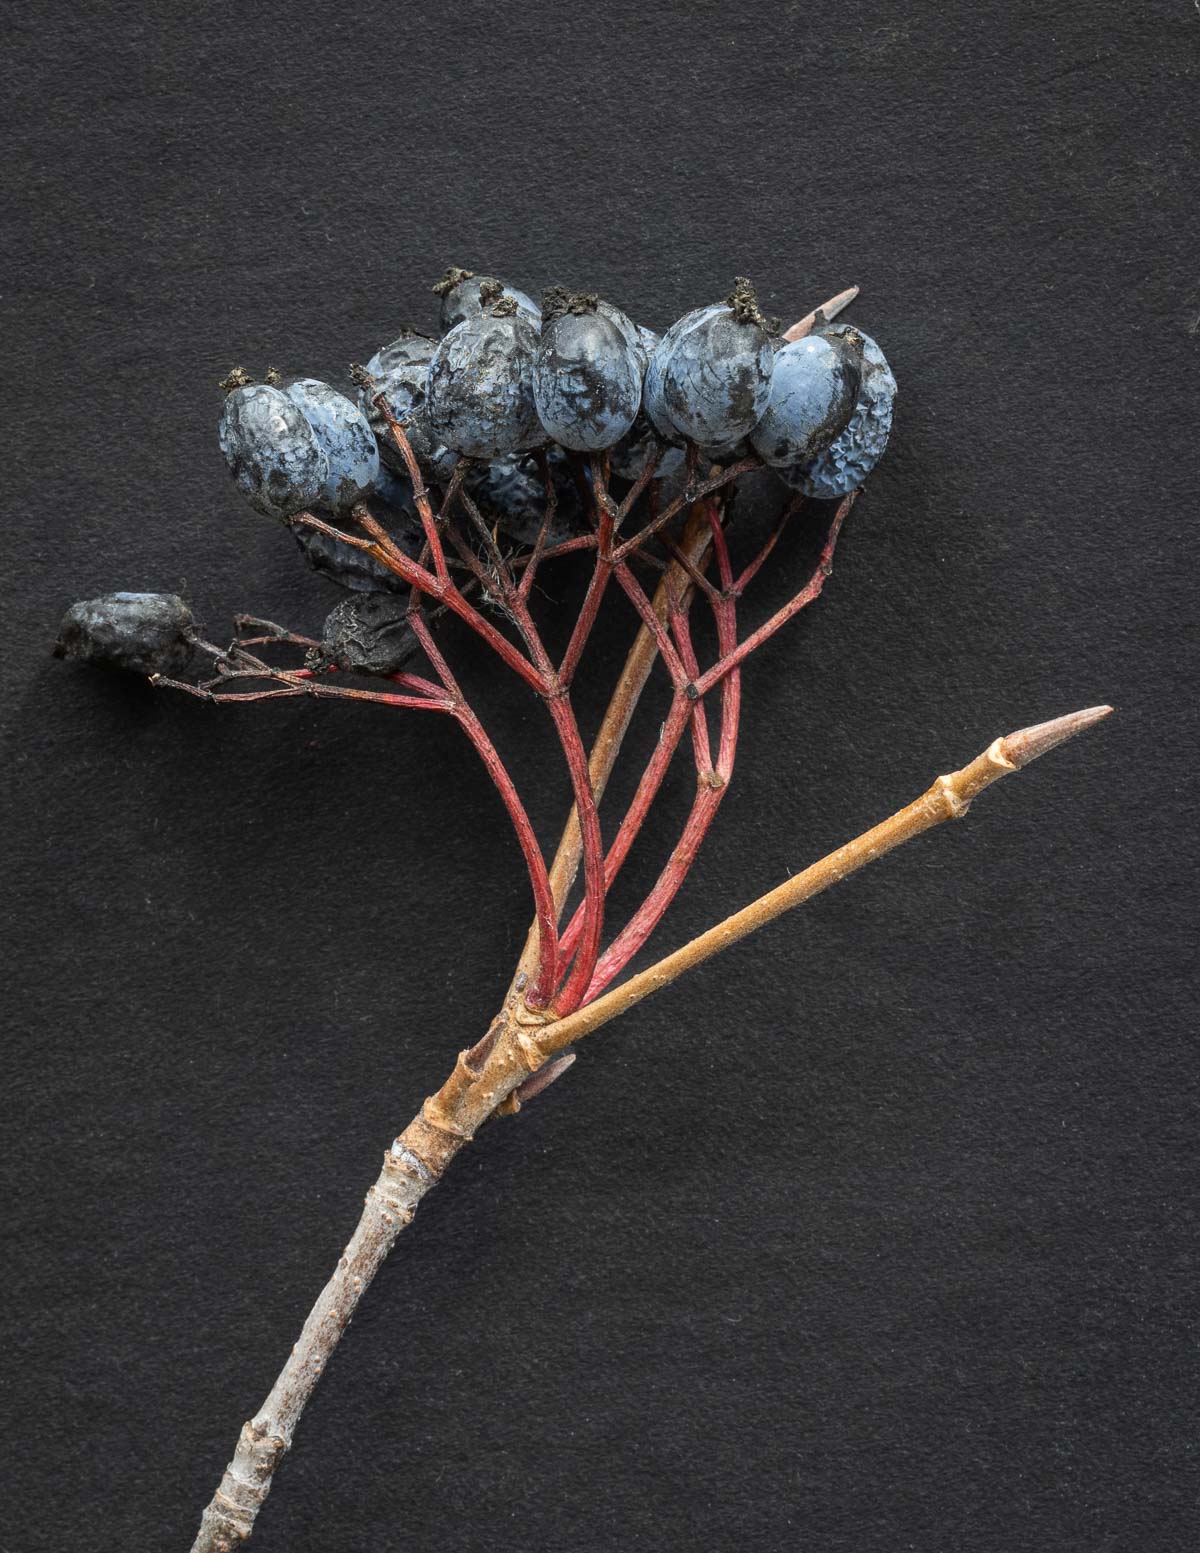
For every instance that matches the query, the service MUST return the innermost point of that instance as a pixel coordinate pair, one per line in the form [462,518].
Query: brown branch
[949,798]
[519,1045]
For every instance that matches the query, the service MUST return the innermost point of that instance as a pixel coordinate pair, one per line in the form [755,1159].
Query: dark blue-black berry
[146,633]
[366,634]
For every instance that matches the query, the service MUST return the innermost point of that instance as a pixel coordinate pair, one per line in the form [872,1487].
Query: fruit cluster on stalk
[454,468]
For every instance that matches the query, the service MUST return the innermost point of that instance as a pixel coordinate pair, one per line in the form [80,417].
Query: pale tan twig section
[821,315]
[497,1072]
[948,799]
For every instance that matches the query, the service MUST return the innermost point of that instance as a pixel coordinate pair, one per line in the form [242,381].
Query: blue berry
[480,393]
[366,634]
[640,340]
[406,348]
[272,452]
[395,491]
[146,633]
[460,293]
[852,455]
[813,388]
[346,440]
[587,381]
[628,457]
[726,452]
[400,371]
[653,387]
[351,568]
[716,374]
[510,496]
[649,340]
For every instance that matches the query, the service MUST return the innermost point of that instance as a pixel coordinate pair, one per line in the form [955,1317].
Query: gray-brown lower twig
[521,1042]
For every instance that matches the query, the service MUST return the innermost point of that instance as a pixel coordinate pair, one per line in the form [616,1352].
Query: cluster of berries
[512,398]
[507,378]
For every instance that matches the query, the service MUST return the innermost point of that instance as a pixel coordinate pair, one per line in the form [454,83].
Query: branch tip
[1028,743]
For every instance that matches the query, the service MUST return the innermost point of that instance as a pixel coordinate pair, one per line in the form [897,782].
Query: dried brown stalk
[520,1044]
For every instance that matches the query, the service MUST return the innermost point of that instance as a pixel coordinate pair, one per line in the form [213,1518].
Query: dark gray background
[877,1234]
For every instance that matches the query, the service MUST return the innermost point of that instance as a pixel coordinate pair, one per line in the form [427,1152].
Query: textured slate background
[878,1234]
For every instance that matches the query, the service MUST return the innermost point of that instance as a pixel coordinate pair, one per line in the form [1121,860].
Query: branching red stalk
[711,784]
[690,495]
[420,495]
[652,778]
[701,744]
[545,975]
[730,660]
[649,617]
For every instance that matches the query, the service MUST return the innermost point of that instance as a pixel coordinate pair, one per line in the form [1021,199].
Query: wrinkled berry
[146,633]
[400,372]
[511,496]
[346,439]
[640,339]
[654,388]
[480,395]
[716,374]
[852,455]
[366,634]
[628,457]
[352,568]
[272,452]
[460,293]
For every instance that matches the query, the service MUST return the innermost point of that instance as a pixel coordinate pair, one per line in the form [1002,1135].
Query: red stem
[596,586]
[647,790]
[420,495]
[701,743]
[423,581]
[730,660]
[666,648]
[547,916]
[711,789]
[546,975]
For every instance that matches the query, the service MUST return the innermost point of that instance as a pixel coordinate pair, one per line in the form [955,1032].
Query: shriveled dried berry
[271,450]
[366,634]
[351,567]
[145,633]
